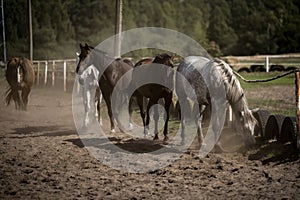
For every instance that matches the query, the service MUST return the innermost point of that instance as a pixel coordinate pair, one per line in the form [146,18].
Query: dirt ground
[42,157]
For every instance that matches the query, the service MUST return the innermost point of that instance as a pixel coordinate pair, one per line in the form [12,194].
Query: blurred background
[223,27]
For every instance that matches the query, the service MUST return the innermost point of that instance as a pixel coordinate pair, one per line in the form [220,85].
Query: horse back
[26,72]
[143,62]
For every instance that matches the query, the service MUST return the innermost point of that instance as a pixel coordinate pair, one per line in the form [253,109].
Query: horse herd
[194,79]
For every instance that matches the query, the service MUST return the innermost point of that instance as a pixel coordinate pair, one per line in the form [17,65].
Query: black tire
[262,118]
[278,68]
[288,130]
[290,68]
[257,68]
[273,127]
[244,69]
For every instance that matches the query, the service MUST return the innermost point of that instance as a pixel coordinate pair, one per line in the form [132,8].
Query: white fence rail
[237,62]
[64,68]
[54,68]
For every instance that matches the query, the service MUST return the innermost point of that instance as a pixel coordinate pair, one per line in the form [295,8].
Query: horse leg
[151,103]
[98,99]
[130,110]
[107,99]
[168,101]
[87,107]
[156,118]
[25,94]
[140,102]
[198,121]
[182,114]
[16,98]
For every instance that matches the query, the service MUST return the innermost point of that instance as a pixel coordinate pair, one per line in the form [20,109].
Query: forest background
[223,27]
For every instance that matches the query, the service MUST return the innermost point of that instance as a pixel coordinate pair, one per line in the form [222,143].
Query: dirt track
[41,157]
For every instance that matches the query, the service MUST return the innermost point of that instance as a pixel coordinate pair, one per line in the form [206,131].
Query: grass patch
[273,106]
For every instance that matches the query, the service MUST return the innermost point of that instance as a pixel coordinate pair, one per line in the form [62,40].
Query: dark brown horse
[153,91]
[111,70]
[20,77]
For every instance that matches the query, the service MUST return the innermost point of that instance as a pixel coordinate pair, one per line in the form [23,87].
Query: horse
[115,69]
[89,82]
[20,77]
[192,69]
[153,91]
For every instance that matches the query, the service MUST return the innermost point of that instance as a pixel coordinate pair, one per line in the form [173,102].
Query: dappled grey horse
[201,72]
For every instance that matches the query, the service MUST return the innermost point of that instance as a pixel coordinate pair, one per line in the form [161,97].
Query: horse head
[246,122]
[164,59]
[84,52]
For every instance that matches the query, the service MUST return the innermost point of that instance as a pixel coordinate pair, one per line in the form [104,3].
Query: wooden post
[267,63]
[297,80]
[230,120]
[53,73]
[118,28]
[30,31]
[46,72]
[38,74]
[65,76]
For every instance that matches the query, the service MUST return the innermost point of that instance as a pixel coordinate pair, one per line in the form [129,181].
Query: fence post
[46,72]
[38,74]
[53,73]
[65,76]
[297,80]
[230,117]
[267,63]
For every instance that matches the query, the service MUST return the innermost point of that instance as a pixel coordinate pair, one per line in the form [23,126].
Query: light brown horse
[20,77]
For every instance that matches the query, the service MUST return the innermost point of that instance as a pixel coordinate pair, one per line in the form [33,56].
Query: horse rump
[20,77]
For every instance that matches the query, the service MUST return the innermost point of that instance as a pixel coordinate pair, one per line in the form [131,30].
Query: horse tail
[8,95]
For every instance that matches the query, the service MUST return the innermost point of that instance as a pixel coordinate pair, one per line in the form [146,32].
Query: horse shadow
[137,145]
[38,131]
[274,152]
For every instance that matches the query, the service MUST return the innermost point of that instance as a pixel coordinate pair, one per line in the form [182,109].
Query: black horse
[148,69]
[111,70]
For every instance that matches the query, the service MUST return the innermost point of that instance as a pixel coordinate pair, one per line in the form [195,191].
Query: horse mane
[234,91]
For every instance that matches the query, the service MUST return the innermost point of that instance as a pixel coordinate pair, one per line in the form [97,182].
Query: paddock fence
[264,63]
[54,72]
[61,73]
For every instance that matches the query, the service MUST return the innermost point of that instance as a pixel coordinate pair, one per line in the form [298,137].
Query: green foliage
[223,27]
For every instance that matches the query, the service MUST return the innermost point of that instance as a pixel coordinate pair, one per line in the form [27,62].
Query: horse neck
[235,93]
[242,107]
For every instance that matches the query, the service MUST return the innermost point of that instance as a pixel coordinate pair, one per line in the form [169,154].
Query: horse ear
[80,45]
[86,45]
[159,56]
[255,110]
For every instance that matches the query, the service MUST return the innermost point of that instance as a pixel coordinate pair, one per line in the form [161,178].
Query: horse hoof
[146,133]
[166,138]
[122,130]
[130,127]
[113,131]
[182,142]
[155,137]
[218,149]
